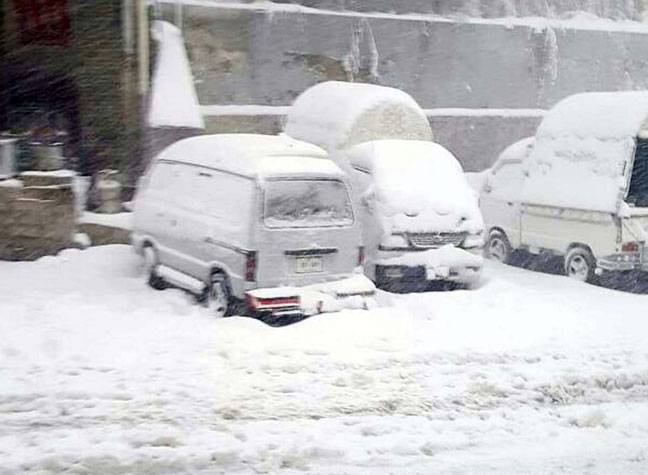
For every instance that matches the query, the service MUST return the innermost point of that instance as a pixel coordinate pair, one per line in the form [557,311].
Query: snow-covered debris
[419,186]
[116,220]
[174,102]
[582,149]
[336,115]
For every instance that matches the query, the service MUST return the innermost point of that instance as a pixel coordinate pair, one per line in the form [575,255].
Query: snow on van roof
[337,115]
[251,154]
[421,184]
[582,150]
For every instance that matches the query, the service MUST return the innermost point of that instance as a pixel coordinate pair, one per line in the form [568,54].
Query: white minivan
[224,214]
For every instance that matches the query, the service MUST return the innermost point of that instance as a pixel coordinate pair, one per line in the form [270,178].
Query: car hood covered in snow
[418,186]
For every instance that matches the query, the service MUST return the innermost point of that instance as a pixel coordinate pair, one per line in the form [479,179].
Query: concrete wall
[268,57]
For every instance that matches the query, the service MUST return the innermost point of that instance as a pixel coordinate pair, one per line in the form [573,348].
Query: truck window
[306,203]
[638,191]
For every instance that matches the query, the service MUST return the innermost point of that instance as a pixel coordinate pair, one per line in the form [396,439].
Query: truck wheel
[151,262]
[580,265]
[219,300]
[498,247]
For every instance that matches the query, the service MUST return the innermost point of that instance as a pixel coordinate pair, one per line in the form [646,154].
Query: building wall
[99,74]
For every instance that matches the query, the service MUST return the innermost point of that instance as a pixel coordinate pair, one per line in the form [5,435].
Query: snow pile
[174,102]
[336,115]
[582,149]
[446,256]
[417,186]
[117,220]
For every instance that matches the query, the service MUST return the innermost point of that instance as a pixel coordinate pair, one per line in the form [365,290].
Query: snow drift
[336,115]
[584,149]
[174,101]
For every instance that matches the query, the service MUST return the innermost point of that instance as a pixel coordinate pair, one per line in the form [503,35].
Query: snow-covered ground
[530,373]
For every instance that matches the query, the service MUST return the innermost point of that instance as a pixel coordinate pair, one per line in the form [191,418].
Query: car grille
[432,240]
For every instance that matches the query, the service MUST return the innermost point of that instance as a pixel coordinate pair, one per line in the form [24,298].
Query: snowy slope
[529,374]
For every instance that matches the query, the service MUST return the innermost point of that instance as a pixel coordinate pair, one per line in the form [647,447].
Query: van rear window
[306,203]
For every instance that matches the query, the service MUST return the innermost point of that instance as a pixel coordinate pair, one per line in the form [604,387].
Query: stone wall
[36,218]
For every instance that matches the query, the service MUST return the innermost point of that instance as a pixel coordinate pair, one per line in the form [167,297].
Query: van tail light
[269,303]
[361,255]
[250,266]
[632,246]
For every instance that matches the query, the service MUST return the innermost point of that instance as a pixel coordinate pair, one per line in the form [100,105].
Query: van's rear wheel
[151,263]
[580,265]
[219,300]
[498,247]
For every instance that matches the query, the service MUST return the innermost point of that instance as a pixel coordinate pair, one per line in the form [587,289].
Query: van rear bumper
[621,262]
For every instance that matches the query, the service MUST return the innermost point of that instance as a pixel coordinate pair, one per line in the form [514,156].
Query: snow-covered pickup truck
[578,189]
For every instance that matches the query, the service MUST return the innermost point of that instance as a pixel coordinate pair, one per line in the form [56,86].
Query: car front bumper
[622,262]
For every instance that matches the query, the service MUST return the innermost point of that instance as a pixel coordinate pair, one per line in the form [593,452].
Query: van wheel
[580,265]
[219,300]
[150,263]
[498,247]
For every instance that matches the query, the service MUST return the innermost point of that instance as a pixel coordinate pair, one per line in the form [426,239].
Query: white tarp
[583,151]
[336,115]
[174,102]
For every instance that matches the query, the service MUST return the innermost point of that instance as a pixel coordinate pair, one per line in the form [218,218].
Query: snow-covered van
[421,221]
[222,215]
[581,190]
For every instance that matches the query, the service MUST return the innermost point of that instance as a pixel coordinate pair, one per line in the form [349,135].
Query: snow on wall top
[174,102]
[420,185]
[582,150]
[337,115]
[252,155]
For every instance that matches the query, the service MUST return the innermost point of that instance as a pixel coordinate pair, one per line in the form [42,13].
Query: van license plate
[307,265]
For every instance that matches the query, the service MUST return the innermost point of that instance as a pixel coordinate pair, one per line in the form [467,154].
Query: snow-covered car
[224,214]
[421,221]
[582,192]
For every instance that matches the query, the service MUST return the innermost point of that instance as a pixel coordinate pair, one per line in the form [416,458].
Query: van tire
[219,297]
[498,247]
[151,262]
[580,264]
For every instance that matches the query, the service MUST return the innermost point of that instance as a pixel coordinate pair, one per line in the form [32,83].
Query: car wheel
[498,247]
[219,300]
[580,265]
[151,263]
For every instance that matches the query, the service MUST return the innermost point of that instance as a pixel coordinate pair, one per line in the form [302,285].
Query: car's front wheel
[498,247]
[150,264]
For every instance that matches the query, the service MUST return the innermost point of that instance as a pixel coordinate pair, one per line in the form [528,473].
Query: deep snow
[530,373]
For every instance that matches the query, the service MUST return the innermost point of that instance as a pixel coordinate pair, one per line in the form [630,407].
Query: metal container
[7,158]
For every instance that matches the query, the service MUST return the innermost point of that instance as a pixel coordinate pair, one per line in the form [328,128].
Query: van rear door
[308,232]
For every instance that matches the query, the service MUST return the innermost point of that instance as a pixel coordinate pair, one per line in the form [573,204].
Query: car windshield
[306,203]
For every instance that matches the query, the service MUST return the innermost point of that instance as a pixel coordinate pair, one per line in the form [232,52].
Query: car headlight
[474,240]
[394,242]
